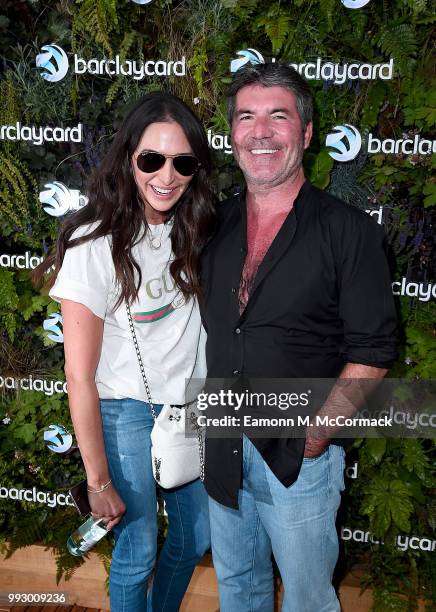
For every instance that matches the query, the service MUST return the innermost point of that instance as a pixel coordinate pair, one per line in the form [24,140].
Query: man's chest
[296,278]
[261,233]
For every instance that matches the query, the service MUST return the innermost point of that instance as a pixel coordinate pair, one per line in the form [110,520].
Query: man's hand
[315,447]
[343,400]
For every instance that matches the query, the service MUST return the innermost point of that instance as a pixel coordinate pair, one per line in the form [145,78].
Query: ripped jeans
[127,426]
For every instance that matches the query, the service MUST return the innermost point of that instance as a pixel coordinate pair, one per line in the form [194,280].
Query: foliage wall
[392,494]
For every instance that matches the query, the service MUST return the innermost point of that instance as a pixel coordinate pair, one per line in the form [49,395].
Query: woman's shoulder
[94,242]
[85,230]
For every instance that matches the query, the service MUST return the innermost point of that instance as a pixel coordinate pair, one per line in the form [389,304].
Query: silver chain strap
[193,420]
[141,365]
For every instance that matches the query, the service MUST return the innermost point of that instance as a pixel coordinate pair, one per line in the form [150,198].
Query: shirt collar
[298,203]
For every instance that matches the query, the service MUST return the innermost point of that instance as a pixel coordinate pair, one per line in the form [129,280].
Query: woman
[138,240]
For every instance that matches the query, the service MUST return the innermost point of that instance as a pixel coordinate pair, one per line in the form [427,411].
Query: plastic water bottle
[86,536]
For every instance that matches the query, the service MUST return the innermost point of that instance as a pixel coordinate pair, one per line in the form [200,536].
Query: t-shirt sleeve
[86,276]
[366,303]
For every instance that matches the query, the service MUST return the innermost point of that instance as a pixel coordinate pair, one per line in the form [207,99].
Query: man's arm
[340,403]
[367,310]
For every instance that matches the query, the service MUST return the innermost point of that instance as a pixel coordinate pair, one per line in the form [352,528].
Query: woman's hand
[107,505]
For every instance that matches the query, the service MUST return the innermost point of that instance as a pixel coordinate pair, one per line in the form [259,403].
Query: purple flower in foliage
[95,147]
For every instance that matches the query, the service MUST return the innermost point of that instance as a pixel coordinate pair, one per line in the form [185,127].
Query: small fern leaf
[277,27]
[400,43]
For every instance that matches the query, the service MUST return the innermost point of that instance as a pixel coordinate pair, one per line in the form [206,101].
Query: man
[296,285]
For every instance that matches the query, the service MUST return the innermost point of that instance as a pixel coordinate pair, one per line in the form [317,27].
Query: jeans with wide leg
[295,524]
[127,426]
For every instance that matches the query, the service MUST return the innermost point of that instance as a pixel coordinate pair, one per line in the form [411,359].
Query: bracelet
[103,488]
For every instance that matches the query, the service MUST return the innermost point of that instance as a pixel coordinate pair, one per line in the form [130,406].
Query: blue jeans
[127,425]
[295,524]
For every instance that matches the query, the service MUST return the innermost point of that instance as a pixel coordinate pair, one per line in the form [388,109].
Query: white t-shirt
[169,331]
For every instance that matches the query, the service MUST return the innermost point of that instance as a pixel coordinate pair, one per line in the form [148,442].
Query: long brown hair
[114,202]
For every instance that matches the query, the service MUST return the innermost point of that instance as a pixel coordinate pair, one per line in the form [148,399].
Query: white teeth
[263,151]
[161,191]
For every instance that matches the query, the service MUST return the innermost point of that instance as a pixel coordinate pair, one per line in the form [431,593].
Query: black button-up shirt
[321,298]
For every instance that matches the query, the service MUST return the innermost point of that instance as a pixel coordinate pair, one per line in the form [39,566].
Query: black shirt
[321,298]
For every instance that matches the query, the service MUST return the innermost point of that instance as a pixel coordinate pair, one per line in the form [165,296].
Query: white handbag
[177,444]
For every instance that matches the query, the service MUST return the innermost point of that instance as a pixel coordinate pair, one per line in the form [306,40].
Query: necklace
[154,240]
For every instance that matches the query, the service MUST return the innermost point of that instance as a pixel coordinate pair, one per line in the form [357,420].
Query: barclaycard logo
[50,498]
[246,56]
[40,134]
[346,142]
[57,199]
[54,63]
[219,142]
[423,291]
[51,325]
[355,4]
[322,70]
[42,385]
[58,439]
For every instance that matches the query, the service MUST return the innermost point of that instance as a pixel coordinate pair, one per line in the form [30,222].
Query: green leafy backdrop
[393,493]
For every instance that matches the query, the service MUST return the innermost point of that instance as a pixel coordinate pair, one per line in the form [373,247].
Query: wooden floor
[36,566]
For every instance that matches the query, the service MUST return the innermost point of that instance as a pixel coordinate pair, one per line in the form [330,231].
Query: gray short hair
[273,74]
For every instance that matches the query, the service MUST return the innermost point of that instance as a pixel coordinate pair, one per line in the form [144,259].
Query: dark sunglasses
[150,161]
